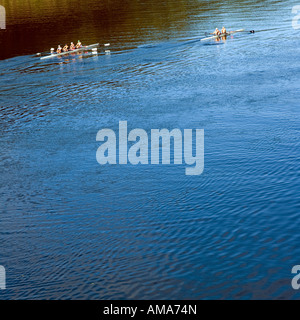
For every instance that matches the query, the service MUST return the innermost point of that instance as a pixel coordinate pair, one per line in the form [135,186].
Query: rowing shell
[222,35]
[72,51]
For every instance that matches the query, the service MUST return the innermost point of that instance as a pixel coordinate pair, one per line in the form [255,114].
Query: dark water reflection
[70,228]
[34,26]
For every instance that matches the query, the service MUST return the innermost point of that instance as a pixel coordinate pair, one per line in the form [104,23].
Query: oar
[250,31]
[246,31]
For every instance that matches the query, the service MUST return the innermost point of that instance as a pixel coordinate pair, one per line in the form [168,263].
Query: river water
[72,229]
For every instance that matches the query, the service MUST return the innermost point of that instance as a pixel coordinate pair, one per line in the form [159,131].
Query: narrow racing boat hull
[222,35]
[83,48]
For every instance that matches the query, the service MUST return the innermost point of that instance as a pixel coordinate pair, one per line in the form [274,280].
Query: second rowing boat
[222,35]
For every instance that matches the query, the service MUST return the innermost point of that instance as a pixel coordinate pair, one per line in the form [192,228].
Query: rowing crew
[217,32]
[66,47]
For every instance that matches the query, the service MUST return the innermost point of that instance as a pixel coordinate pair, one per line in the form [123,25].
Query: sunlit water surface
[71,228]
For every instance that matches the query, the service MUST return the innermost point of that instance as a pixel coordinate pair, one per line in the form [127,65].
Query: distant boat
[222,35]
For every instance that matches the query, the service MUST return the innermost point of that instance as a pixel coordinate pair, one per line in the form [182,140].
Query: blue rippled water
[72,229]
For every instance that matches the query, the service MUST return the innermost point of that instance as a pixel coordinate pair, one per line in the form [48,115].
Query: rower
[59,49]
[65,49]
[72,46]
[217,32]
[78,45]
[223,31]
